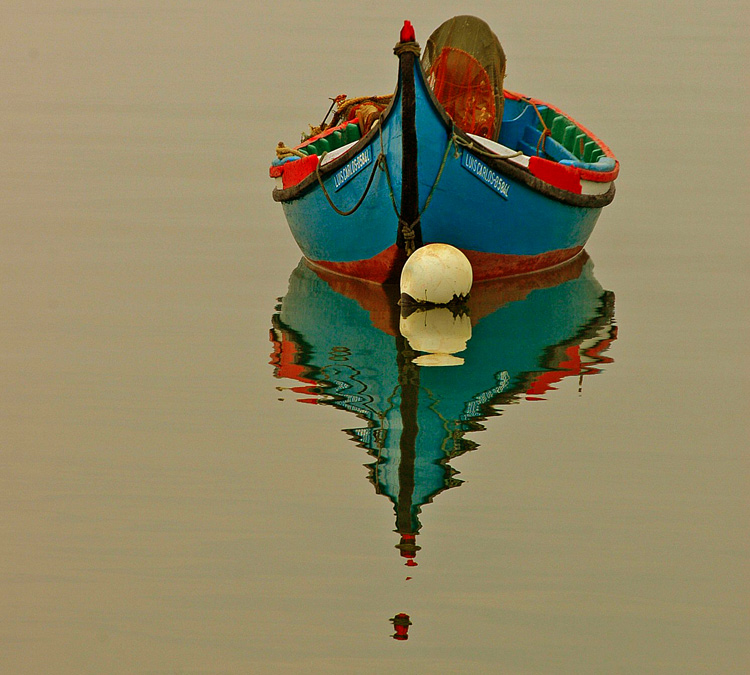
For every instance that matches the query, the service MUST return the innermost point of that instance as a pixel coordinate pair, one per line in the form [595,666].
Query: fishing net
[465,67]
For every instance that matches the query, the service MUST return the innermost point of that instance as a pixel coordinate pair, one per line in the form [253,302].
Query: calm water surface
[216,461]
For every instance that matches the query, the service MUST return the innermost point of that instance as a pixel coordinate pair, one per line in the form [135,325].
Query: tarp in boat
[465,67]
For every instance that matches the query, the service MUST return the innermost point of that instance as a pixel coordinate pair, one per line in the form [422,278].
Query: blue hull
[503,217]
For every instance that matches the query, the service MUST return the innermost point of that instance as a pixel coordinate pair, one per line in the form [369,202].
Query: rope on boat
[455,140]
[344,105]
[381,157]
[545,129]
[368,109]
[283,151]
[382,163]
[406,47]
[408,228]
[451,141]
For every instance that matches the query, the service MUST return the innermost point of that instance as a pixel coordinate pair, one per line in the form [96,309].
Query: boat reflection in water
[345,341]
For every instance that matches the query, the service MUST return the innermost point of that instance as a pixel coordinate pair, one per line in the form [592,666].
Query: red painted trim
[298,169]
[386,266]
[560,175]
[407,33]
[600,176]
[323,134]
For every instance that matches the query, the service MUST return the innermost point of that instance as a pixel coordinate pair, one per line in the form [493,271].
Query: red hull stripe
[493,265]
[381,269]
[385,267]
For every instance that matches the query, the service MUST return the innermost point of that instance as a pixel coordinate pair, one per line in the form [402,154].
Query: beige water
[166,509]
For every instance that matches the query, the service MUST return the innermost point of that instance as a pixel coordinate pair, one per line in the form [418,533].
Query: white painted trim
[501,150]
[590,187]
[337,153]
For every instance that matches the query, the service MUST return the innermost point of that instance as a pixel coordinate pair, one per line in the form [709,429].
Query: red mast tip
[407,33]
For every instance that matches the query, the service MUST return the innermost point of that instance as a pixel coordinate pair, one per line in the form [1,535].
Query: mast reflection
[340,339]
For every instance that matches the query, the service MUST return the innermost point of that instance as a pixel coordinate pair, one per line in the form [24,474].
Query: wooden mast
[409,235]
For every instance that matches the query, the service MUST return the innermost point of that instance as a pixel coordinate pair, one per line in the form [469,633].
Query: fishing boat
[451,157]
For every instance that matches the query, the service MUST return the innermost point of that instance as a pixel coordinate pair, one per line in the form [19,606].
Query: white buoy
[436,274]
[439,332]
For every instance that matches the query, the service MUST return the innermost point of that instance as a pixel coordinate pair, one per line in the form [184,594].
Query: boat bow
[360,203]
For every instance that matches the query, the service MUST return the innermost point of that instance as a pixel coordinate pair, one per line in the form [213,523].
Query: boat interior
[464,65]
[522,128]
[524,124]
